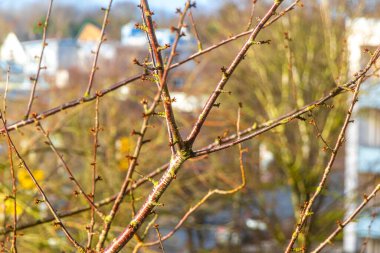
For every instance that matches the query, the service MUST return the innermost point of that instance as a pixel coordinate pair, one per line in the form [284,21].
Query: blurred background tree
[310,59]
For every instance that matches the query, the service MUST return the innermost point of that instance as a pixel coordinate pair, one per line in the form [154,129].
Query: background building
[363,141]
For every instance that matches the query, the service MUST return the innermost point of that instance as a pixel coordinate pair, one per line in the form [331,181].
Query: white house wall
[108,51]
[12,50]
[58,54]
[50,57]
[362,32]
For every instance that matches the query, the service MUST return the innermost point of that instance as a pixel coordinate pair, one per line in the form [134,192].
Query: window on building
[369,128]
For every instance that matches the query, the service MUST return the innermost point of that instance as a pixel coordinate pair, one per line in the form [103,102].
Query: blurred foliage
[305,58]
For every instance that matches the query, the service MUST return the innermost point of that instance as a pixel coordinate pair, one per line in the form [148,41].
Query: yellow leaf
[26,181]
[9,206]
[124,164]
[124,145]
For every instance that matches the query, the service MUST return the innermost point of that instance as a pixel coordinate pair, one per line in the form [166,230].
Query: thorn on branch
[145,141]
[131,158]
[261,42]
[329,106]
[287,37]
[141,27]
[223,91]
[166,46]
[149,13]
[174,29]
[218,140]
[136,62]
[144,77]
[160,114]
[57,224]
[339,223]
[38,201]
[224,71]
[134,132]
[301,118]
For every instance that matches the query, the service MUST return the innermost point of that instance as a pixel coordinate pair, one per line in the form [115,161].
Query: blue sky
[168,5]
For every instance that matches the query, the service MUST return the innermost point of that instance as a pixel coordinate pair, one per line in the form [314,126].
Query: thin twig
[12,170]
[195,30]
[367,239]
[6,93]
[226,74]
[232,139]
[208,195]
[97,51]
[306,212]
[39,67]
[313,122]
[156,227]
[45,198]
[95,132]
[251,15]
[341,225]
[255,130]
[173,129]
[162,71]
[68,170]
[156,73]
[103,202]
[115,86]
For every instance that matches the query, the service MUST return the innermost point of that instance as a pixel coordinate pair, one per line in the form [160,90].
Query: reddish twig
[255,130]
[95,132]
[341,225]
[162,71]
[41,191]
[115,86]
[68,170]
[12,170]
[105,201]
[162,93]
[306,212]
[227,74]
[195,31]
[251,15]
[35,79]
[156,227]
[101,40]
[206,197]
[232,139]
